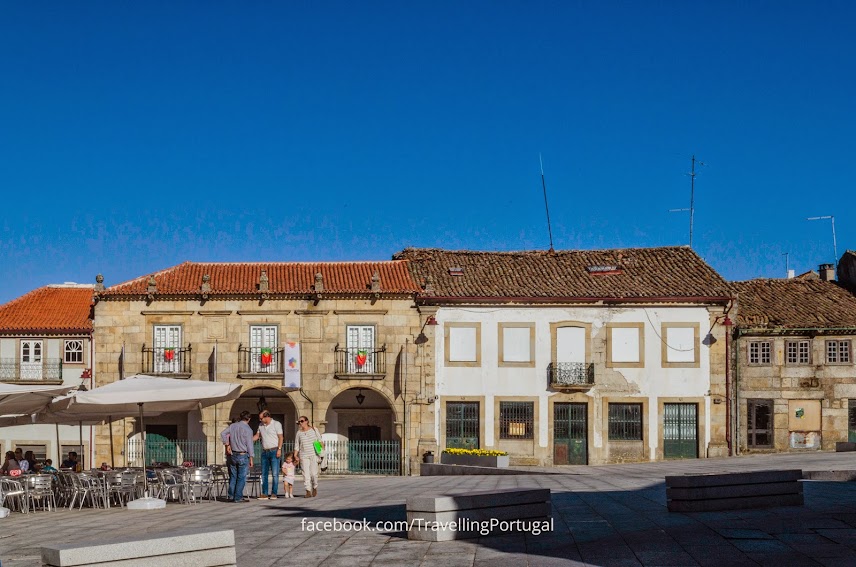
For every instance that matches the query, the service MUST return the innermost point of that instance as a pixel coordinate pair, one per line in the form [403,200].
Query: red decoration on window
[267,356]
[362,356]
[168,354]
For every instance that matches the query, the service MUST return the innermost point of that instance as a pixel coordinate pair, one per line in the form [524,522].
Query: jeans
[270,462]
[238,471]
[228,460]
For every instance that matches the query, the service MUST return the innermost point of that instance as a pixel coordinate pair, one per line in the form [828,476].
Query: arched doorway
[277,402]
[360,435]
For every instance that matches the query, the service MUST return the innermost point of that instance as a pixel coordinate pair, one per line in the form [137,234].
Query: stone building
[794,363]
[576,357]
[337,342]
[45,338]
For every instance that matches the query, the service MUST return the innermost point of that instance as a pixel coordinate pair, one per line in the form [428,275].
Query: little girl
[288,472]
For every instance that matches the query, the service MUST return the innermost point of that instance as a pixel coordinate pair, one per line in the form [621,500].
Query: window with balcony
[73,351]
[167,349]
[798,352]
[760,352]
[571,365]
[517,344]
[264,350]
[361,354]
[31,360]
[839,352]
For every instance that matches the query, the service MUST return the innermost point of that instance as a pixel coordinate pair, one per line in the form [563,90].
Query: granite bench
[734,491]
[476,514]
[175,549]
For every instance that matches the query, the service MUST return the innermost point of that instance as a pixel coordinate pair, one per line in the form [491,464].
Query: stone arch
[370,417]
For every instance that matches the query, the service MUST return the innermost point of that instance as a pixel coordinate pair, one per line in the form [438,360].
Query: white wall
[652,381]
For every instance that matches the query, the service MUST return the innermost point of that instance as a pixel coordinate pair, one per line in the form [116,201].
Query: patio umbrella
[133,395]
[16,399]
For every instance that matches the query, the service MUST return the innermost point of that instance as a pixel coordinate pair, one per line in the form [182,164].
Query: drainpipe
[311,404]
[728,396]
[404,403]
[737,420]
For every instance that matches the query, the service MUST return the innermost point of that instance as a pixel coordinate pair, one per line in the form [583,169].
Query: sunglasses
[301,421]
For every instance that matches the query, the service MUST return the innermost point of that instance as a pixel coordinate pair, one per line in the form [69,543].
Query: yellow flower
[475,452]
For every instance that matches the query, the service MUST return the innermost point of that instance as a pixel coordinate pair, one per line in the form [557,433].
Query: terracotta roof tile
[598,274]
[51,309]
[794,303]
[285,278]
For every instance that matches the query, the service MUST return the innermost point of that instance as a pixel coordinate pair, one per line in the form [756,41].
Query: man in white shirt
[270,433]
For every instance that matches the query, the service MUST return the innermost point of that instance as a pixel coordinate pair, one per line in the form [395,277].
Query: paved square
[606,515]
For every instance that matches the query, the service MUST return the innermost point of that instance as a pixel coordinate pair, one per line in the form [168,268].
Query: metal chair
[14,494]
[202,478]
[40,491]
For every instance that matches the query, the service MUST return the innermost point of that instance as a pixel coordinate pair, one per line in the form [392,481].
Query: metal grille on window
[263,348]
[74,351]
[625,422]
[462,425]
[361,349]
[516,420]
[167,345]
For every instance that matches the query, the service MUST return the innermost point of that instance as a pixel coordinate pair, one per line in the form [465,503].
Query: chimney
[827,272]
[791,274]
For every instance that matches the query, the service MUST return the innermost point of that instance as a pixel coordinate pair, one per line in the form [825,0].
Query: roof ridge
[540,251]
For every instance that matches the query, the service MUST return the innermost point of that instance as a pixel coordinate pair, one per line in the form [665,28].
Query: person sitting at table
[23,464]
[48,467]
[105,467]
[10,464]
[71,462]
[32,463]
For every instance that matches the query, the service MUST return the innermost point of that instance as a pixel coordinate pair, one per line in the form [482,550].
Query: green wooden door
[680,431]
[570,432]
[462,425]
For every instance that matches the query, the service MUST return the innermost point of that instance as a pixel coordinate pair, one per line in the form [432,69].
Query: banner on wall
[291,355]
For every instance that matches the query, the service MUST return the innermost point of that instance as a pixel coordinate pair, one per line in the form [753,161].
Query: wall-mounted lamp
[431,321]
[262,403]
[727,321]
[421,339]
[360,397]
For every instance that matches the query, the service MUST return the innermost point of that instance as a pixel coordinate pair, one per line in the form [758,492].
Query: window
[759,352]
[167,356]
[571,356]
[263,348]
[798,352]
[625,345]
[463,344]
[516,420]
[759,429]
[680,345]
[361,349]
[40,452]
[838,352]
[625,422]
[74,351]
[517,344]
[462,425]
[31,352]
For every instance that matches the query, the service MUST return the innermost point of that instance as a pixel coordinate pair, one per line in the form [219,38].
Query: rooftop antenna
[546,207]
[692,175]
[834,244]
[787,256]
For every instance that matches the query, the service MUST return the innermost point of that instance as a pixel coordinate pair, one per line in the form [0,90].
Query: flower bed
[474,457]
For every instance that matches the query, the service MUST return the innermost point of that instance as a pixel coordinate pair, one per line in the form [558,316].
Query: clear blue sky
[134,136]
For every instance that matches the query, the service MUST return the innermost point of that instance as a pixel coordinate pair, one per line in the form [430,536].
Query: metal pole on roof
[546,207]
[834,242]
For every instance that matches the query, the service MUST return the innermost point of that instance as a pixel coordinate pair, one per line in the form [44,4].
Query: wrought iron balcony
[167,361]
[254,360]
[571,375]
[358,363]
[13,370]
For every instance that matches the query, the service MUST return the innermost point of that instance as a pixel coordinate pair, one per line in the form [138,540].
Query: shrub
[476,452]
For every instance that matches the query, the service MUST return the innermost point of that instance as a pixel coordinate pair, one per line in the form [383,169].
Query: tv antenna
[546,207]
[691,209]
[787,256]
[834,244]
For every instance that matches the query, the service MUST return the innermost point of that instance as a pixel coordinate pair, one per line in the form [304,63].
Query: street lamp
[834,243]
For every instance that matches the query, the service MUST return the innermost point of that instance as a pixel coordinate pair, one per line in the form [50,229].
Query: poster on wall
[291,355]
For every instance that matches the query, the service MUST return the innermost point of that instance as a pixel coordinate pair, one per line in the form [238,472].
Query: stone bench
[734,491]
[477,514]
[176,549]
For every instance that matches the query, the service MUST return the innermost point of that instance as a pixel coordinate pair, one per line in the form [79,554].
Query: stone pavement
[604,516]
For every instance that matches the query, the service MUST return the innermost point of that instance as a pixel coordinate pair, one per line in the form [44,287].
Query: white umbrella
[16,399]
[157,395]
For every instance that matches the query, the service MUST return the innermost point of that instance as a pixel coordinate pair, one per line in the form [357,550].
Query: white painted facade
[652,381]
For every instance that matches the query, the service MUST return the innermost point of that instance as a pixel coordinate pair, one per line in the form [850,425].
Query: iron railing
[158,361]
[251,360]
[360,362]
[363,457]
[160,450]
[570,374]
[13,370]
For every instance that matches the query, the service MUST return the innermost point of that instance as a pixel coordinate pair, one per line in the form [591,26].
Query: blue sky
[134,136]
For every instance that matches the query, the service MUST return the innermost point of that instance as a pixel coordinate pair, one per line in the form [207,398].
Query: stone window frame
[66,351]
[797,343]
[446,339]
[840,342]
[501,362]
[664,345]
[641,362]
[480,400]
[760,361]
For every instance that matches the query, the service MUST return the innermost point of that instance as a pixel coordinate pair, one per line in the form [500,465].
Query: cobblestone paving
[607,516]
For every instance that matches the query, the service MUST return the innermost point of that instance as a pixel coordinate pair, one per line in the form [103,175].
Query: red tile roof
[794,303]
[669,272]
[49,309]
[285,279]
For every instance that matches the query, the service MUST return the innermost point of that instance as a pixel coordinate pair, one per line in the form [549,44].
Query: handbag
[319,446]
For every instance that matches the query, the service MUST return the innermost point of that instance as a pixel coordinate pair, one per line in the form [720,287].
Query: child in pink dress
[288,471]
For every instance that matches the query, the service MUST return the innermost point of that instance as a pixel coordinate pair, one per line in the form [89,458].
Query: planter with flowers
[474,457]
